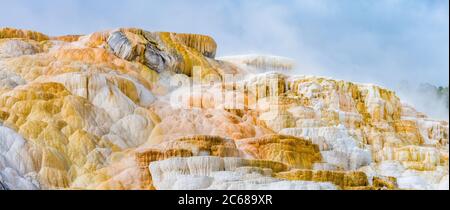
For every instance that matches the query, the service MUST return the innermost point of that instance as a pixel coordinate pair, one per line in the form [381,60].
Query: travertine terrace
[132,109]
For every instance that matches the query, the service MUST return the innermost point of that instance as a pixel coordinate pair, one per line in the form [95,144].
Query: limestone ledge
[197,173]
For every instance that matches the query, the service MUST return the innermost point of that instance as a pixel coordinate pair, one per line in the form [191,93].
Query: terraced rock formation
[132,109]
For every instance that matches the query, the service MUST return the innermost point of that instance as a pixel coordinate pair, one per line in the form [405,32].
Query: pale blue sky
[377,41]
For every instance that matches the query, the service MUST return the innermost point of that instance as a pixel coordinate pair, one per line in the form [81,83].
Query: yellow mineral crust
[25,34]
[292,151]
[201,145]
[408,132]
[67,38]
[389,183]
[203,44]
[339,178]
